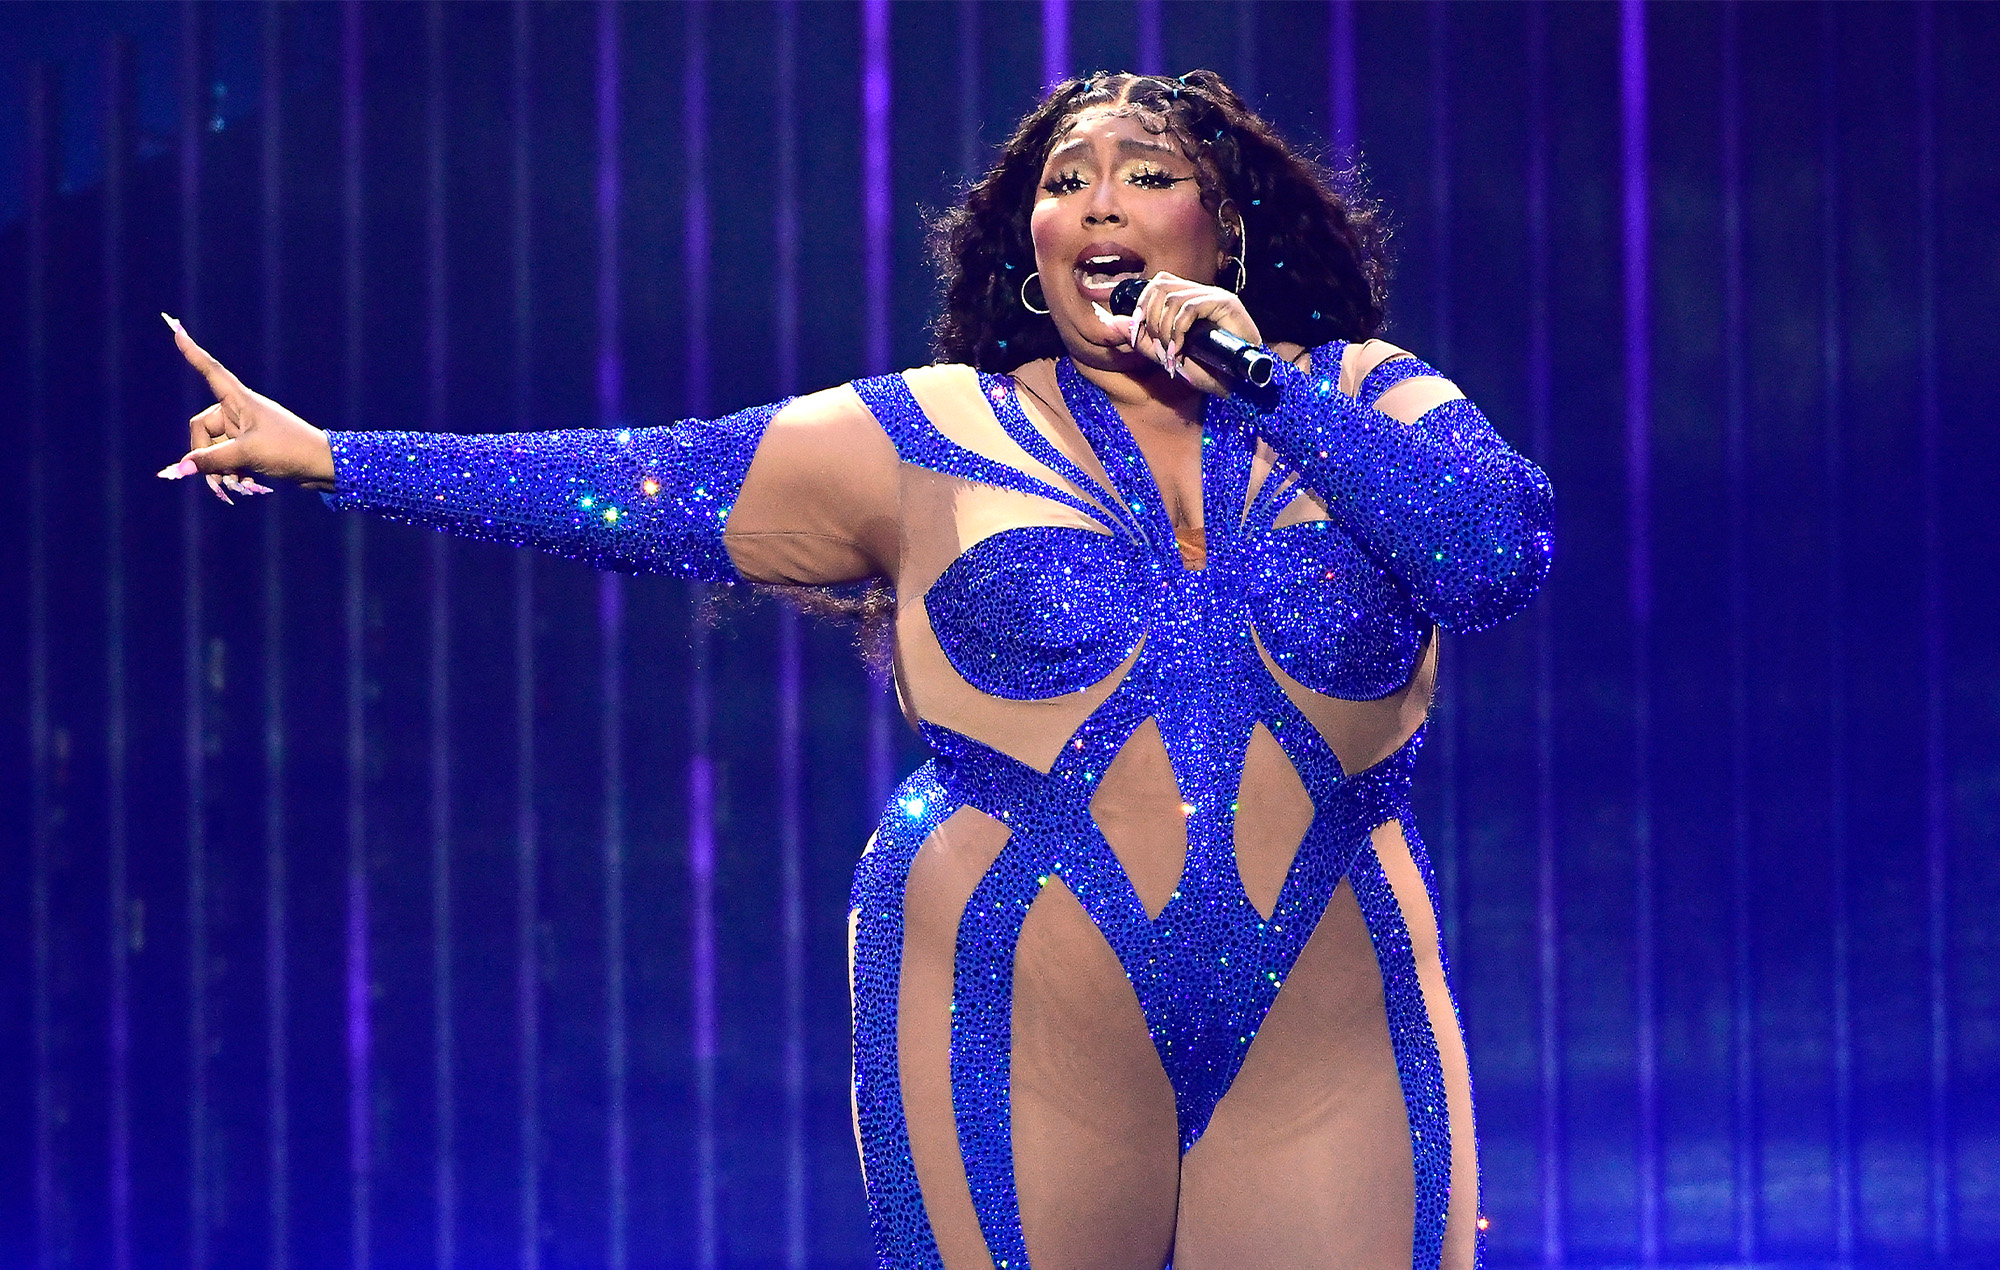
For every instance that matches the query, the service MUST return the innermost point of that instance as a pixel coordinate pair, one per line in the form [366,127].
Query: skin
[1109,184]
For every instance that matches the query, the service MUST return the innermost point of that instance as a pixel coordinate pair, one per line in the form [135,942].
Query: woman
[1145,961]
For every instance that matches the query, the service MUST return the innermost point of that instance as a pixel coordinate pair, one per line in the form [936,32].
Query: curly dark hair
[1317,244]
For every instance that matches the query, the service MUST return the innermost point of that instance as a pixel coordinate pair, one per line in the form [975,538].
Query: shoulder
[1357,359]
[1360,359]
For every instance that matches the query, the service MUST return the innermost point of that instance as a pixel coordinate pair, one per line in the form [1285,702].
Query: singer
[1146,961]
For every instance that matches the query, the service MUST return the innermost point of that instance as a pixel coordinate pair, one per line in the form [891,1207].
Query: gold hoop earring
[1242,256]
[1024,294]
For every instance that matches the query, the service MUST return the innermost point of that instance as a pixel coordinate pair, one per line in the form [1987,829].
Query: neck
[1144,390]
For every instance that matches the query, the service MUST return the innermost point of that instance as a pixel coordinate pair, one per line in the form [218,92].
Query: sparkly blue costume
[1436,524]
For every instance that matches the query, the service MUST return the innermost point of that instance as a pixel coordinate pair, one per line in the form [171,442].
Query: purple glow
[1152,57]
[193,75]
[1736,480]
[1638,469]
[791,749]
[701,863]
[41,129]
[1055,42]
[610,367]
[701,773]
[1447,735]
[360,1089]
[1937,790]
[117,74]
[277,1045]
[444,1165]
[1343,109]
[611,630]
[1638,307]
[1548,896]
[527,840]
[695,240]
[877,185]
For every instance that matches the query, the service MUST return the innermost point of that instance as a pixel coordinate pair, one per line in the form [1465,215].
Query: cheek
[1192,226]
[1044,230]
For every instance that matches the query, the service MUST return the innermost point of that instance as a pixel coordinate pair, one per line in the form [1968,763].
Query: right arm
[803,492]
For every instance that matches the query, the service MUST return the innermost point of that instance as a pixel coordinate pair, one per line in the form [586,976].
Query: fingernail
[175,471]
[173,323]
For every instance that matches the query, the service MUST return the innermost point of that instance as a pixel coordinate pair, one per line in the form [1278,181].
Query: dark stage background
[373,899]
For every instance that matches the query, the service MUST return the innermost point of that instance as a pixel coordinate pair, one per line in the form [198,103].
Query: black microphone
[1230,358]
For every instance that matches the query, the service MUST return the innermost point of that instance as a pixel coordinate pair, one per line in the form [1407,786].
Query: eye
[1151,178]
[1064,183]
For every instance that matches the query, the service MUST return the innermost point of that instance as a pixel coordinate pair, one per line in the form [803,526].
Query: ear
[1229,236]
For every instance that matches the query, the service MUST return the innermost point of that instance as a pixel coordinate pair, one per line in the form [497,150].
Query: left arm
[1440,500]
[1436,496]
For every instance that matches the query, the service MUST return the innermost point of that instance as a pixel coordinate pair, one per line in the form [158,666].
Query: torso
[1172,700]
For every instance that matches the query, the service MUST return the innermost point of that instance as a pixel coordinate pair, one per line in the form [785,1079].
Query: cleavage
[1169,447]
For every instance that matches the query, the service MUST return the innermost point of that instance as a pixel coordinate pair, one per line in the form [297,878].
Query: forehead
[1121,124]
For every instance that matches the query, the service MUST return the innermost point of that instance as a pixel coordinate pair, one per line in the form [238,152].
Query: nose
[1103,208]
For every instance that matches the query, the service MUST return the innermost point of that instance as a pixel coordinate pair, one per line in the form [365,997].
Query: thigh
[1089,1111]
[1307,1160]
[1096,1143]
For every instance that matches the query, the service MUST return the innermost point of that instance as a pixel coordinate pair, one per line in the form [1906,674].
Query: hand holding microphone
[1176,322]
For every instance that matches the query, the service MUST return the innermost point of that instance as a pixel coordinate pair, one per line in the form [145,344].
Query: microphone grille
[1125,296]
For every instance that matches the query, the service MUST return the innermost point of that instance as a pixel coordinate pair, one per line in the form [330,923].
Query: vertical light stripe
[971,155]
[877,190]
[1548,896]
[193,680]
[1736,491]
[1447,727]
[1343,113]
[1246,50]
[611,635]
[360,1087]
[444,1143]
[118,133]
[41,161]
[791,747]
[527,832]
[277,1004]
[1638,511]
[1937,811]
[1152,53]
[1055,41]
[877,182]
[701,761]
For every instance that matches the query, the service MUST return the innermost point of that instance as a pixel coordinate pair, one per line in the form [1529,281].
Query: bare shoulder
[1409,399]
[1363,356]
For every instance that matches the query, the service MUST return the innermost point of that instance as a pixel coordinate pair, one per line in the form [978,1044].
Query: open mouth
[1102,267]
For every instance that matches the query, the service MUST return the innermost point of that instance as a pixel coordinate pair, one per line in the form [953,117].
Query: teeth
[1102,260]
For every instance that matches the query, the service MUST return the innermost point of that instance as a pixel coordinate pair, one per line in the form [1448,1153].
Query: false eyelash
[1070,182]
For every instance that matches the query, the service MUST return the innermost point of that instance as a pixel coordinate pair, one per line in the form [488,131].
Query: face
[1116,201]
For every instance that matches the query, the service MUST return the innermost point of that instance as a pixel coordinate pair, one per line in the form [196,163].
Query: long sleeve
[1442,503]
[792,492]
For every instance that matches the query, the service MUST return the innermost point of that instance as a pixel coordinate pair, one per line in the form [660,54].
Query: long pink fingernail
[174,323]
[175,471]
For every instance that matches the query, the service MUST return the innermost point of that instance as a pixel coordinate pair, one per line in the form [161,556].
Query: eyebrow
[1124,143]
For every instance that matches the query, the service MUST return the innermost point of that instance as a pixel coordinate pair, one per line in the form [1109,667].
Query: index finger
[220,381]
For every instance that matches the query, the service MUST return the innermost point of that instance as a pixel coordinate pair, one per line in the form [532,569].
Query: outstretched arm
[800,492]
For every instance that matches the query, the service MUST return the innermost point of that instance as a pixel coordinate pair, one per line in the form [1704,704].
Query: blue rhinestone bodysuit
[1145,960]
